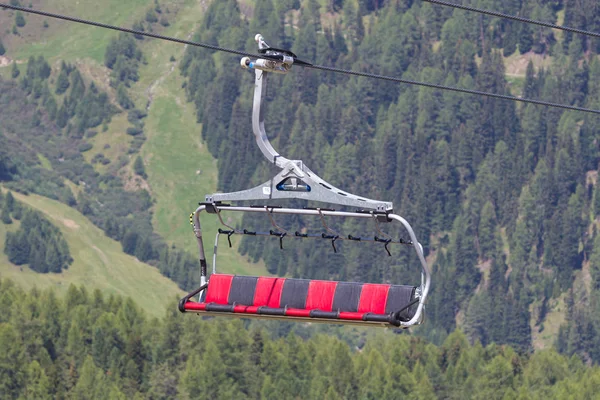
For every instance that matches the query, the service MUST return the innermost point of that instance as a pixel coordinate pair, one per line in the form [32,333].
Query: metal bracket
[296,180]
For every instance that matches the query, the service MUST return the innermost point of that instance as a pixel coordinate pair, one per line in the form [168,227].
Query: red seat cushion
[302,298]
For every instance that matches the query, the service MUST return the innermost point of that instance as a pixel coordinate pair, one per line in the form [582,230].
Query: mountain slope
[99,261]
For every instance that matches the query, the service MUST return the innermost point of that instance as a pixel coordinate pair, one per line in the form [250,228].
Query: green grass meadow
[77,41]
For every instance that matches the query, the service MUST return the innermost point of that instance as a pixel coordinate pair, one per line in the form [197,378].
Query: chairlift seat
[313,300]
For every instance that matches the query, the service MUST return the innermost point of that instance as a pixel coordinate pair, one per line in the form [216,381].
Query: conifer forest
[504,197]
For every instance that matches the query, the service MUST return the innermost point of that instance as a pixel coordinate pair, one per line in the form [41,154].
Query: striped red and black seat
[304,298]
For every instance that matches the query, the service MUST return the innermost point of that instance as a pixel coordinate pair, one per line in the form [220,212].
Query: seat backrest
[308,294]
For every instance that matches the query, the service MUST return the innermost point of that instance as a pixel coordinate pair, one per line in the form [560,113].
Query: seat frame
[421,290]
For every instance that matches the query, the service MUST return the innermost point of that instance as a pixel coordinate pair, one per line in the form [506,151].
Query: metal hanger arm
[296,180]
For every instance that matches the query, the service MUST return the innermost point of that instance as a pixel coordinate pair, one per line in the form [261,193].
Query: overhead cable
[514,17]
[305,65]
[453,88]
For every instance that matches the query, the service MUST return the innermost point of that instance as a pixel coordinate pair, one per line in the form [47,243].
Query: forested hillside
[90,346]
[502,196]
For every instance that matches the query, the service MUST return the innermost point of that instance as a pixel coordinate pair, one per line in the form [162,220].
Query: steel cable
[513,17]
[305,65]
[452,88]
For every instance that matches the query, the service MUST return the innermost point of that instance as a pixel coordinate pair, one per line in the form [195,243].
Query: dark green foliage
[67,197]
[596,200]
[5,216]
[122,56]
[151,17]
[15,72]
[62,82]
[138,167]
[89,345]
[123,99]
[9,202]
[38,243]
[511,39]
[85,146]
[138,26]
[134,131]
[2,49]
[525,39]
[19,19]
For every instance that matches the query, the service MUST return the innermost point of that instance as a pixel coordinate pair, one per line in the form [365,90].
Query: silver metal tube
[198,234]
[214,266]
[425,270]
[296,211]
[258,121]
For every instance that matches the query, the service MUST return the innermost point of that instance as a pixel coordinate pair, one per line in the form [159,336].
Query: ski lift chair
[370,304]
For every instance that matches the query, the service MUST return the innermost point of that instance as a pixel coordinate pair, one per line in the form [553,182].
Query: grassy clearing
[516,64]
[174,154]
[113,143]
[98,262]
[180,169]
[45,162]
[70,41]
[554,319]
[515,84]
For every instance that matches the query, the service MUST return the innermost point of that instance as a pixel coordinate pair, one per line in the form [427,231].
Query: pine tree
[525,39]
[67,197]
[487,235]
[62,117]
[62,82]
[123,99]
[529,90]
[138,26]
[90,383]
[19,19]
[5,216]
[12,362]
[596,204]
[129,242]
[138,167]
[151,16]
[477,319]
[38,384]
[9,202]
[143,249]
[15,72]
[17,248]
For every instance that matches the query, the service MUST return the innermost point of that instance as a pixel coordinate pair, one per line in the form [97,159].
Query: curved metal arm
[425,274]
[295,181]
[258,121]
[198,234]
